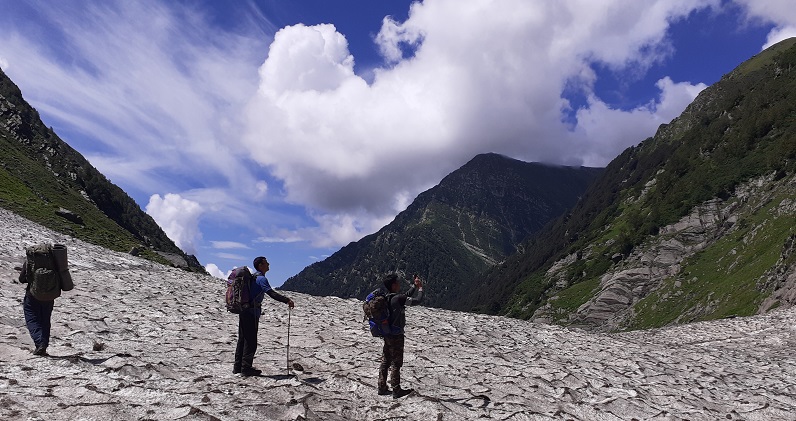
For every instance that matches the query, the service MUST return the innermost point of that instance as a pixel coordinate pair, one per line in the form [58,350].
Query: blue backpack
[379,314]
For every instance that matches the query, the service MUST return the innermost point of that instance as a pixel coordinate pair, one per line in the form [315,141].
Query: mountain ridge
[474,218]
[46,180]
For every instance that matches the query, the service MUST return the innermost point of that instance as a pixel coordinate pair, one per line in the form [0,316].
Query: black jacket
[398,305]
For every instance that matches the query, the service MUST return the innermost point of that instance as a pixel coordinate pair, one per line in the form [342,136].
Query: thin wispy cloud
[231,256]
[153,89]
[290,238]
[226,245]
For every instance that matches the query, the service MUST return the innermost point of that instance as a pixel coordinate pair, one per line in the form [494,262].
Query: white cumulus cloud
[213,270]
[461,78]
[617,129]
[179,219]
[779,34]
[780,12]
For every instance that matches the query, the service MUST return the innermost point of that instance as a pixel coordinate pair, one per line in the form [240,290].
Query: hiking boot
[400,393]
[235,370]
[384,391]
[42,351]
[246,372]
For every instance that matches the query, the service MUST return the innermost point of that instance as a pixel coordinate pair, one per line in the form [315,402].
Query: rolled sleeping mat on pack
[62,263]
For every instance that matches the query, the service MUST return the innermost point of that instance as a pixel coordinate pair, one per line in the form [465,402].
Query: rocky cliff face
[661,265]
[136,340]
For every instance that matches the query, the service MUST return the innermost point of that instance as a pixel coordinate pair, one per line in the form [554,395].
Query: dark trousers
[392,358]
[248,324]
[37,317]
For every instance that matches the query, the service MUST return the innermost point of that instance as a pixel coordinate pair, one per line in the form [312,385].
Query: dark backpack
[238,295]
[41,272]
[379,314]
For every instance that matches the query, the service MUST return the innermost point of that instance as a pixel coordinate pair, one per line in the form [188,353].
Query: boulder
[69,216]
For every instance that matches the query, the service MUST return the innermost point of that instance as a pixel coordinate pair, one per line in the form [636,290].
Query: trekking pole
[287,351]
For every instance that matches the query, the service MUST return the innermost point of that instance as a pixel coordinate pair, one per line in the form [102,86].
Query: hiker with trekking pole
[249,320]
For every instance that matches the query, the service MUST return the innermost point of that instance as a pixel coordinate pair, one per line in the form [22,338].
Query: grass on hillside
[764,57]
[569,300]
[40,205]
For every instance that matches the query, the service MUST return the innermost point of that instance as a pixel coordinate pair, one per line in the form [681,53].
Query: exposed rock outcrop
[650,264]
[645,268]
[69,216]
[782,278]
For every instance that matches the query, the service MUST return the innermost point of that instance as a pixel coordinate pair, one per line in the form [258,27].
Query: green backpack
[46,271]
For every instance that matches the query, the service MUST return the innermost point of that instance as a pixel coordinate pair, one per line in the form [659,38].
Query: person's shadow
[75,358]
[297,368]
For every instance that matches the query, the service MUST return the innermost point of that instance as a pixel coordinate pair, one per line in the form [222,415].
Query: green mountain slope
[472,220]
[45,180]
[685,226]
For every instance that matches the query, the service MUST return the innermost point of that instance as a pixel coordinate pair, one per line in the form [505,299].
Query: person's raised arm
[410,301]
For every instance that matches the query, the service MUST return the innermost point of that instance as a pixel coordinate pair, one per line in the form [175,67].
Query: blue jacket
[259,288]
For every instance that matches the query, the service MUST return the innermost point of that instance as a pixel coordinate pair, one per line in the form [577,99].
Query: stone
[169,347]
[175,259]
[69,216]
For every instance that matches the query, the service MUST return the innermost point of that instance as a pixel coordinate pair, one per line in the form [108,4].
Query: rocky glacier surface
[137,340]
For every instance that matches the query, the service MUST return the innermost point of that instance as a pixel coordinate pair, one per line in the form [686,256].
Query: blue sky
[291,128]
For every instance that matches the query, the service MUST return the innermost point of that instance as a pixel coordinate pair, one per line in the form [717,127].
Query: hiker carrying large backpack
[391,329]
[46,273]
[249,319]
[379,315]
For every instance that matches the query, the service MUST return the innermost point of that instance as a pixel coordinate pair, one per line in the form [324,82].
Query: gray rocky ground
[136,340]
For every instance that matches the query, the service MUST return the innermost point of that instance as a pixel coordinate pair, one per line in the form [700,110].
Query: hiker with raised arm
[249,319]
[393,351]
